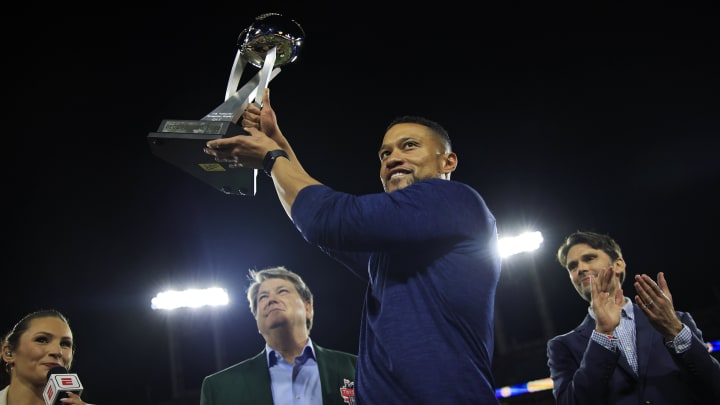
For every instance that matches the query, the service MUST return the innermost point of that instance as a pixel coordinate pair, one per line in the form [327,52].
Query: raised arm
[264,135]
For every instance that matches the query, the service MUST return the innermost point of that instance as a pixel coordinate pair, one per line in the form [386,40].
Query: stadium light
[170,300]
[191,298]
[525,242]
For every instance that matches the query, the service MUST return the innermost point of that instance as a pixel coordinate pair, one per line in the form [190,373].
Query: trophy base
[181,143]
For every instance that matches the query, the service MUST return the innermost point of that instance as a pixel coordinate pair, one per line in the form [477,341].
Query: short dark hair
[258,276]
[436,128]
[592,239]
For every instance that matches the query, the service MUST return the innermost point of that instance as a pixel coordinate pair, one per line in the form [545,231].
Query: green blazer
[248,382]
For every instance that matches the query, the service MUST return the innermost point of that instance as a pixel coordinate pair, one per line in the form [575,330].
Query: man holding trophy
[427,248]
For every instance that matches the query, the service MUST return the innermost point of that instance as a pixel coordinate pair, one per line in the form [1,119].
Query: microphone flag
[59,383]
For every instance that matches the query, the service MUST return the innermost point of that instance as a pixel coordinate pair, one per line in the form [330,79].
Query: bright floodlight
[192,298]
[525,242]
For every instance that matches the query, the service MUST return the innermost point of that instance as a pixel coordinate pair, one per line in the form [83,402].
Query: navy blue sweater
[429,255]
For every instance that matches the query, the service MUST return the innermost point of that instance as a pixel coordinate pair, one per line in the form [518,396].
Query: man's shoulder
[583,330]
[448,183]
[563,337]
[455,189]
[247,365]
[324,351]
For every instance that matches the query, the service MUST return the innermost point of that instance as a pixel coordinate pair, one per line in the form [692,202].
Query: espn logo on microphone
[61,383]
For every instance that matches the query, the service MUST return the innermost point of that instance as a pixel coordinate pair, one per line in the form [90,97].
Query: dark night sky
[603,120]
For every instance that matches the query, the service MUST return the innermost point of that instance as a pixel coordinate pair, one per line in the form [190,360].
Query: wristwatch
[269,159]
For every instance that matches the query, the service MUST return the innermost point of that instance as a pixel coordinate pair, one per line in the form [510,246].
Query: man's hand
[656,302]
[265,120]
[607,300]
[263,135]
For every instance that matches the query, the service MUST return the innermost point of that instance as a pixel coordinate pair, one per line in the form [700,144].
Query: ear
[309,310]
[450,163]
[620,266]
[7,355]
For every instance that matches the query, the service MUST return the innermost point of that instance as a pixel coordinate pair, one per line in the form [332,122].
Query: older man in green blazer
[291,368]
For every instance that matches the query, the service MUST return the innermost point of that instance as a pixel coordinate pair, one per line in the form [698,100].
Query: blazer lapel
[257,380]
[335,386]
[626,367]
[645,335]
[586,327]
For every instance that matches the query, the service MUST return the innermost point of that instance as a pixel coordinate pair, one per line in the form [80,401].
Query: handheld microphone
[60,382]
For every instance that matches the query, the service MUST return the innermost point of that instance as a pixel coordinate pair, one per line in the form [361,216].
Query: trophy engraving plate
[194,127]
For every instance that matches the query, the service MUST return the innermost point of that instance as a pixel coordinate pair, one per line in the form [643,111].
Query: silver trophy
[271,41]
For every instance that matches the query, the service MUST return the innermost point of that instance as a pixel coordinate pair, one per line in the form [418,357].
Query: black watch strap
[269,159]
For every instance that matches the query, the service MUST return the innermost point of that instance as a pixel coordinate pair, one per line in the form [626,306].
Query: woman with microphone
[40,342]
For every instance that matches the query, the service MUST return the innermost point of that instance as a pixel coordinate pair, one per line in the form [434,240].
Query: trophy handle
[235,105]
[235,74]
[265,75]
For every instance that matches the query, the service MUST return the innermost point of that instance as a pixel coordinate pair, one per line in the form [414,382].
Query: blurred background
[563,119]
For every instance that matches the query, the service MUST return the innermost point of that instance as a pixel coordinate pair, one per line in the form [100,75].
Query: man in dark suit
[291,368]
[624,352]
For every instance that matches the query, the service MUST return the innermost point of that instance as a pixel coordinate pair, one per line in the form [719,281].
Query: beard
[398,183]
[585,293]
